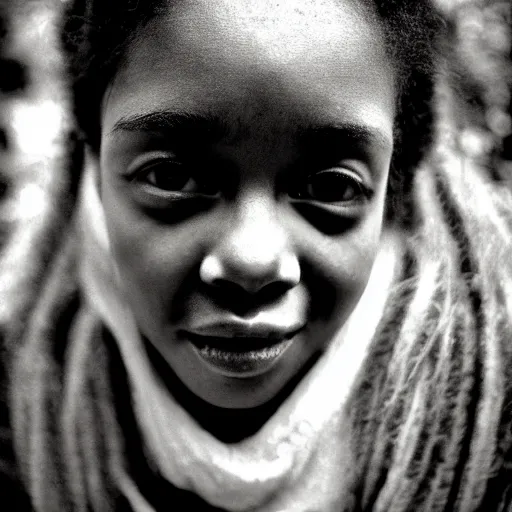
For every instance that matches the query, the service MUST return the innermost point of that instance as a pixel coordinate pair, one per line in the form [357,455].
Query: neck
[227,425]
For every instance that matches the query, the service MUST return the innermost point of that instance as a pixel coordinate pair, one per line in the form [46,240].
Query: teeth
[265,353]
[236,344]
[242,363]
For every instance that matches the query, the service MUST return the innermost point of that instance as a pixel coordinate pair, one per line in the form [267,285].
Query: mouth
[240,356]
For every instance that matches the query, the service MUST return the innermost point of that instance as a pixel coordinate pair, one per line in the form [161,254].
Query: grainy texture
[461,355]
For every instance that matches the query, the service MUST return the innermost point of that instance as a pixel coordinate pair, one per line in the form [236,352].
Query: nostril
[243,299]
[3,187]
[4,143]
[272,291]
[237,290]
[246,277]
[13,76]
[227,286]
[229,296]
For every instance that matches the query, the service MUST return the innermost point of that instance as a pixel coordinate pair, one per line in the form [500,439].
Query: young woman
[272,297]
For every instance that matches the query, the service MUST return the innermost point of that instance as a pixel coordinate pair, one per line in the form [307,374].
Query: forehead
[283,30]
[257,55]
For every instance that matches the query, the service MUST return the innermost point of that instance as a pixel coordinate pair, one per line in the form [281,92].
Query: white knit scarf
[300,460]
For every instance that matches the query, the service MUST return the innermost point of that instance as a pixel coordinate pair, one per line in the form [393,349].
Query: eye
[170,177]
[332,186]
[173,177]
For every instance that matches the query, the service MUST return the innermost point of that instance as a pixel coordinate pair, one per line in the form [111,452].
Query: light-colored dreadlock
[435,403]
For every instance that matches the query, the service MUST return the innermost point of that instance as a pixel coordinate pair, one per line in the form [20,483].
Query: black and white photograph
[189,321]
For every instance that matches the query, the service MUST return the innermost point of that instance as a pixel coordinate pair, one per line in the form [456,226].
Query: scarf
[299,460]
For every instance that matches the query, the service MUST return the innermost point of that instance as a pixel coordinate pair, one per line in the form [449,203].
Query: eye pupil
[168,179]
[175,177]
[332,187]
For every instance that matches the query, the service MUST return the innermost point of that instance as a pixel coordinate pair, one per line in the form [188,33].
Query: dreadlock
[431,414]
[434,407]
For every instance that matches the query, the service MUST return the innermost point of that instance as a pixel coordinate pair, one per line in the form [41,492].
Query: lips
[229,329]
[241,349]
[239,342]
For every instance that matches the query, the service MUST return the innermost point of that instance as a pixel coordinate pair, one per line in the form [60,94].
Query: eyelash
[304,191]
[334,175]
[179,171]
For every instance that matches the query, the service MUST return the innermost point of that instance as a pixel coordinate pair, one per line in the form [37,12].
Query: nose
[253,254]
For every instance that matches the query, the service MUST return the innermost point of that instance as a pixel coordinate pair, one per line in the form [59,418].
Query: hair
[431,414]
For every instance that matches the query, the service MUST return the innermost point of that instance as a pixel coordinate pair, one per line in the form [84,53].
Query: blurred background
[38,152]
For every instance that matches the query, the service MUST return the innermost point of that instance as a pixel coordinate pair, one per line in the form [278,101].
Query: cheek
[154,261]
[339,270]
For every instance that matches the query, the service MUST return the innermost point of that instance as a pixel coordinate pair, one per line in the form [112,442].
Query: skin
[251,229]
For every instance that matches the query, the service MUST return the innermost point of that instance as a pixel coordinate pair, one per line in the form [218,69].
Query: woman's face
[244,161]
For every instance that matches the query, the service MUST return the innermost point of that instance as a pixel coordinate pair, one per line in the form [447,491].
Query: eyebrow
[211,129]
[330,136]
[171,123]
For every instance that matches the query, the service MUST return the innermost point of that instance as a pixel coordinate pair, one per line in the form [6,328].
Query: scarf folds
[73,447]
[299,460]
